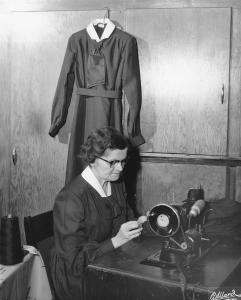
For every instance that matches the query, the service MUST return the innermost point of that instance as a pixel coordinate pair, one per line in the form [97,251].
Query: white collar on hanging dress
[89,176]
[109,28]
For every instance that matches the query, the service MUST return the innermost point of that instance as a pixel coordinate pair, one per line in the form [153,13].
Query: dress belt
[100,93]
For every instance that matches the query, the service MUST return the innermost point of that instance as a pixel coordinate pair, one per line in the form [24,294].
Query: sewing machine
[176,262]
[181,229]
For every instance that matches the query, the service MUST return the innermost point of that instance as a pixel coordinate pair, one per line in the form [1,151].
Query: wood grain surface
[5,78]
[165,183]
[30,61]
[45,5]
[39,41]
[184,58]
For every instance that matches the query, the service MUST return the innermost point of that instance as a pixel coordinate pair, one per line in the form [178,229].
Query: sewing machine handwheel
[164,220]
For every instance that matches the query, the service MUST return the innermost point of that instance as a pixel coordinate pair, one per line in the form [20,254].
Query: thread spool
[11,251]
[197,208]
[195,194]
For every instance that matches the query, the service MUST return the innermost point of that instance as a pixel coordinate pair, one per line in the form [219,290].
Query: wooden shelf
[190,159]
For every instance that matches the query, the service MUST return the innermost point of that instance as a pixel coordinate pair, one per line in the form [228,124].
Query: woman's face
[105,171]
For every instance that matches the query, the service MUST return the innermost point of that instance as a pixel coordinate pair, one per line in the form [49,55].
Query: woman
[91,213]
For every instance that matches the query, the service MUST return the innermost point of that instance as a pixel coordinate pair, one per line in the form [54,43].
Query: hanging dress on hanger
[101,62]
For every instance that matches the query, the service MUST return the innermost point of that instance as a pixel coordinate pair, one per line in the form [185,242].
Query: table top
[215,269]
[8,271]
[25,280]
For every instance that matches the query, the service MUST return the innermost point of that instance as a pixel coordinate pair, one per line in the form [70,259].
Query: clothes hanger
[107,15]
[102,22]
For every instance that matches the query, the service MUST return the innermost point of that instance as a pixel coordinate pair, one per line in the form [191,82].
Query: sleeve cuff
[106,246]
[54,130]
[137,140]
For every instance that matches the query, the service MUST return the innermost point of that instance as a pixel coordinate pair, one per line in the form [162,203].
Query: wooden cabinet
[184,59]
[4,113]
[37,44]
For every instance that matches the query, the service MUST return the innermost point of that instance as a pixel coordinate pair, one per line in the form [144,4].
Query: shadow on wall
[149,96]
[130,177]
[1,204]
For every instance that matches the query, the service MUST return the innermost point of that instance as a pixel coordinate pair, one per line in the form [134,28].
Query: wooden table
[120,275]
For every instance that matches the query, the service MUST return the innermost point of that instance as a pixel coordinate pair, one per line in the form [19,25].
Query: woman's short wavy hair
[99,141]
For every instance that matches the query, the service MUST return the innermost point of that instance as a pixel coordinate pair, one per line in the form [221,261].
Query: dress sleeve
[132,89]
[71,233]
[63,92]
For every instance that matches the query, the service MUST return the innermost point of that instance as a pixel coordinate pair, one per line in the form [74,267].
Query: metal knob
[14,156]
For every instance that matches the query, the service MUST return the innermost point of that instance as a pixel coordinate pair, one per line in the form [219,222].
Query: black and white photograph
[120,150]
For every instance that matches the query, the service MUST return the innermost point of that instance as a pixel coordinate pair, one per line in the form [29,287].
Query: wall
[28,80]
[4,114]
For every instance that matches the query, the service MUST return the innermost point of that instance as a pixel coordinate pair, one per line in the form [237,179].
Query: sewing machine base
[171,258]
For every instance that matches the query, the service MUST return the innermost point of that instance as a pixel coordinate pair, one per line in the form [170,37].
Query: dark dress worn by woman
[84,223]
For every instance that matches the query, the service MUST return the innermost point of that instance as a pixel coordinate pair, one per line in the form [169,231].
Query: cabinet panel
[39,41]
[4,114]
[184,60]
[169,183]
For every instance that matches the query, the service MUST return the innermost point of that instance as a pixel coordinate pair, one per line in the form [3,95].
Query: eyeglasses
[114,163]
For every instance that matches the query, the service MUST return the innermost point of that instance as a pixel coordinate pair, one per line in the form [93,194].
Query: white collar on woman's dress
[109,28]
[89,176]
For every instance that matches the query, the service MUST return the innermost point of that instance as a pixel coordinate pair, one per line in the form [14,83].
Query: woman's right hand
[127,232]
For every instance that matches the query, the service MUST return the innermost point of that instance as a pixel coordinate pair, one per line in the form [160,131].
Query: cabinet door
[38,44]
[184,61]
[4,114]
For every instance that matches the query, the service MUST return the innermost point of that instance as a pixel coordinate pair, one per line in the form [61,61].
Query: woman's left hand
[127,232]
[141,220]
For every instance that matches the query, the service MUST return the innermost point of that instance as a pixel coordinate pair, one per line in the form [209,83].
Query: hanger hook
[107,13]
